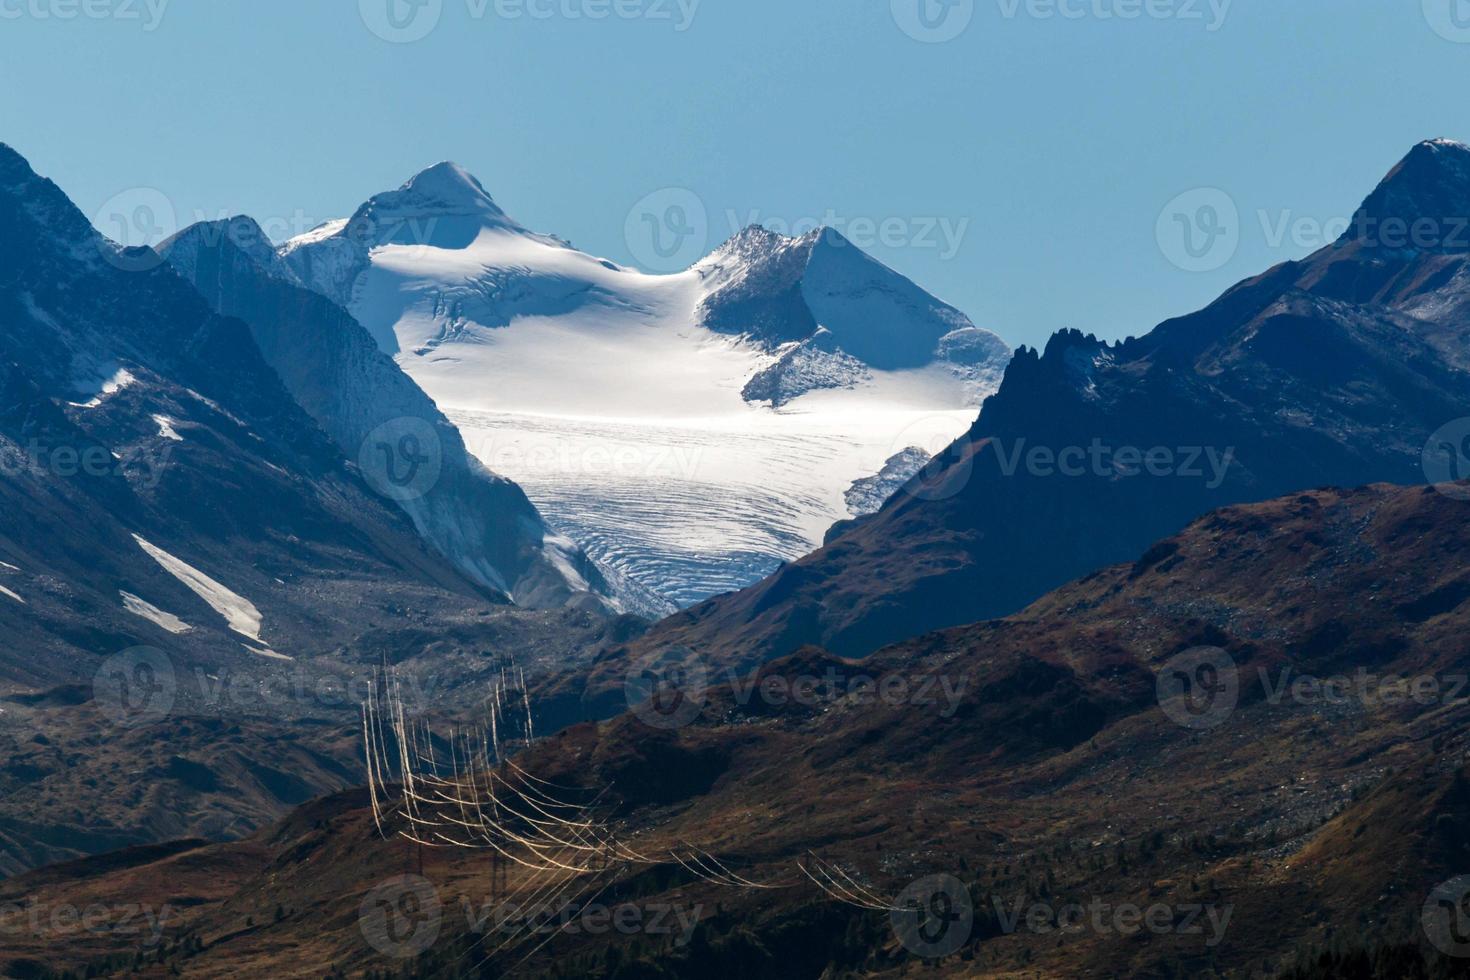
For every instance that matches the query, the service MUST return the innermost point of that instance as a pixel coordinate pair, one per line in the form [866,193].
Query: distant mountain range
[1332,370]
[207,459]
[692,431]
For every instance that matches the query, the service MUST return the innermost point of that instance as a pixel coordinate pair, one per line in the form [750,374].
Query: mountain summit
[782,290]
[1424,201]
[443,190]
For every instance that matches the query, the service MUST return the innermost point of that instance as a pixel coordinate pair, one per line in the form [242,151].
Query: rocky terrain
[1307,796]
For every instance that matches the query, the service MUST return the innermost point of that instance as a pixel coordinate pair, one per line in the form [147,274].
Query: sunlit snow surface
[595,388]
[150,612]
[240,613]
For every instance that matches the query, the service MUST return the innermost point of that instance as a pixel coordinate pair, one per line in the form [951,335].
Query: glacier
[691,431]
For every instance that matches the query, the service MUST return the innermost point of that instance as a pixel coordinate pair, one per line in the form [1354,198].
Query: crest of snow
[166,428]
[12,595]
[443,189]
[321,232]
[239,612]
[150,612]
[102,387]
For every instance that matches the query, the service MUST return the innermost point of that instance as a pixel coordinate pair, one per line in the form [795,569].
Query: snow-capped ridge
[752,388]
[755,244]
[449,185]
[445,190]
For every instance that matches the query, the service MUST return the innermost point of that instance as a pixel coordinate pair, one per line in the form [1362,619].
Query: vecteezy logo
[1199,231]
[665,689]
[138,220]
[1199,688]
[401,21]
[668,230]
[401,917]
[135,687]
[1449,18]
[933,21]
[1446,917]
[402,459]
[934,916]
[1447,459]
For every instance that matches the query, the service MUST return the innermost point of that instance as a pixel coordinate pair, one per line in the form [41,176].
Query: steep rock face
[483,523]
[1334,370]
[754,284]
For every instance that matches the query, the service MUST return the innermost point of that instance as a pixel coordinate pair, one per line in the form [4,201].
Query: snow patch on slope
[5,591]
[166,428]
[102,387]
[150,612]
[238,611]
[266,652]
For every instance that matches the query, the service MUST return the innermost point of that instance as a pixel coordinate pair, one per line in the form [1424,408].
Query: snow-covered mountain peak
[779,290]
[450,188]
[440,211]
[750,242]
[756,247]
[755,255]
[444,191]
[739,399]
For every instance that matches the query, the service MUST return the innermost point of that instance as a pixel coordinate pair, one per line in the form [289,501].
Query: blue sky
[1018,158]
